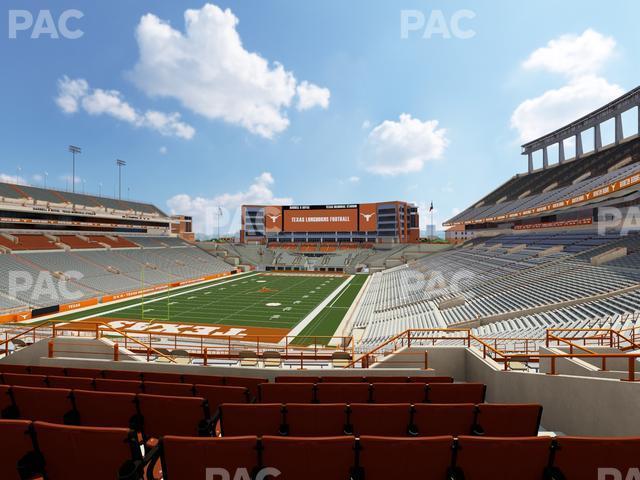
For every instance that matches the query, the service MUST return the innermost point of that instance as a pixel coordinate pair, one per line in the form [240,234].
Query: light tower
[120,163]
[73,149]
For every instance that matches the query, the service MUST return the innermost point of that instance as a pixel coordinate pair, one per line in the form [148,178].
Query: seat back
[313,420]
[162,415]
[522,458]
[250,383]
[45,404]
[501,420]
[216,395]
[286,393]
[430,420]
[342,379]
[309,458]
[8,368]
[456,392]
[106,409]
[83,372]
[79,383]
[122,375]
[343,393]
[581,457]
[169,389]
[161,377]
[76,453]
[395,379]
[250,419]
[391,420]
[430,380]
[109,385]
[186,458]
[202,379]
[16,449]
[297,379]
[399,393]
[7,409]
[423,458]
[24,380]
[44,370]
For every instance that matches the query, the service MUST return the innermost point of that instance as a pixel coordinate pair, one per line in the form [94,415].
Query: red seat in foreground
[44,404]
[499,420]
[490,458]
[250,419]
[15,450]
[389,458]
[309,458]
[390,420]
[580,458]
[313,420]
[456,392]
[286,393]
[431,420]
[343,392]
[106,409]
[188,458]
[399,393]
[79,453]
[162,415]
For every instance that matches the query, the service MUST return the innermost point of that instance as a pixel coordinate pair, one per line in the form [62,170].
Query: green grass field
[250,300]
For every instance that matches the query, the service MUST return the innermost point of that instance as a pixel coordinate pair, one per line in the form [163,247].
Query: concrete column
[561,151]
[597,138]
[619,130]
[545,158]
[530,159]
[579,151]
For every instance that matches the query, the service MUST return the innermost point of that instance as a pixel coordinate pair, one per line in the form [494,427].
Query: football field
[255,301]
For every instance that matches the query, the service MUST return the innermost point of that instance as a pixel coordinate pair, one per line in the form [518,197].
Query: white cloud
[163,150]
[353,179]
[538,116]
[401,147]
[578,58]
[366,125]
[74,94]
[17,179]
[205,210]
[210,72]
[310,95]
[573,55]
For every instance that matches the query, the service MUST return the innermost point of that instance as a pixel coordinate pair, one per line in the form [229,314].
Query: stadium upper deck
[570,191]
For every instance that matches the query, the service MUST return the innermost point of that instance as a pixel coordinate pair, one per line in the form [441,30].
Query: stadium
[332,340]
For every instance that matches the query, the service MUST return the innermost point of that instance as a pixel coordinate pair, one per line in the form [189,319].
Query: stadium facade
[383,222]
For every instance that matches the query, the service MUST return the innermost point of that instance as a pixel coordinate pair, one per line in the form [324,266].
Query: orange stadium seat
[24,380]
[456,392]
[8,368]
[423,458]
[307,458]
[106,409]
[45,404]
[297,379]
[581,457]
[163,415]
[386,379]
[313,420]
[341,379]
[78,383]
[170,389]
[498,420]
[16,450]
[522,458]
[107,385]
[431,420]
[250,383]
[202,379]
[343,392]
[44,370]
[216,395]
[121,375]
[78,453]
[162,377]
[399,393]
[286,393]
[430,380]
[252,419]
[390,420]
[187,458]
[83,372]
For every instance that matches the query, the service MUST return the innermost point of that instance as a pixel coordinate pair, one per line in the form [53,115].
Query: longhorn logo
[367,216]
[274,218]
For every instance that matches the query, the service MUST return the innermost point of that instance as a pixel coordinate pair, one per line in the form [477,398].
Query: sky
[306,102]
